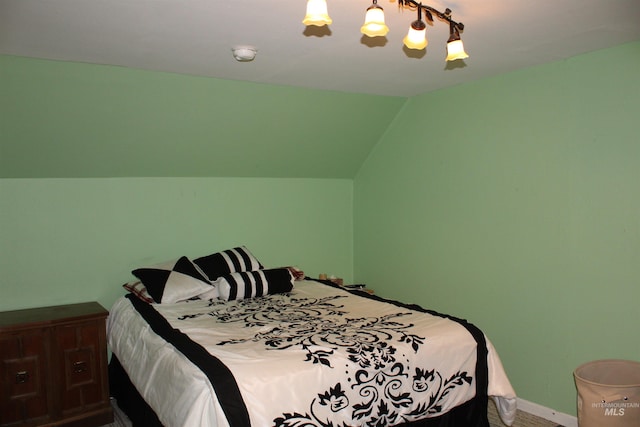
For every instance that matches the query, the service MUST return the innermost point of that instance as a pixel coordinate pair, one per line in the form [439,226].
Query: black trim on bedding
[219,375]
[482,370]
[127,397]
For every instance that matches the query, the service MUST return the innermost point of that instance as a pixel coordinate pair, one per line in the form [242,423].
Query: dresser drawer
[25,366]
[81,366]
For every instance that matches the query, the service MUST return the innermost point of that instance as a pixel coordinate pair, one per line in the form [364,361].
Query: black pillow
[229,261]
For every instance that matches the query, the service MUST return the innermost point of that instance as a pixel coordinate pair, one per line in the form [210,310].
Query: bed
[258,350]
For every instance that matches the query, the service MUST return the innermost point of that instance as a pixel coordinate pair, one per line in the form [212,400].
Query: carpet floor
[523,419]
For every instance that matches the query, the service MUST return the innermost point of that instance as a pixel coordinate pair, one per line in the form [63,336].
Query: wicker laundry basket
[608,393]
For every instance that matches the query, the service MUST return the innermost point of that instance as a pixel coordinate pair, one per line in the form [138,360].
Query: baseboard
[547,413]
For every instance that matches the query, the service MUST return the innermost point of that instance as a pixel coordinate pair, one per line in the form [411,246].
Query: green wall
[96,163]
[515,202]
[70,120]
[73,240]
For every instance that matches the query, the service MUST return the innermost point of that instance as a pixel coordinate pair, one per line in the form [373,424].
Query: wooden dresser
[53,367]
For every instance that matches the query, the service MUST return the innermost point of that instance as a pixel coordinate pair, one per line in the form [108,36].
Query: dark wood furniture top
[31,317]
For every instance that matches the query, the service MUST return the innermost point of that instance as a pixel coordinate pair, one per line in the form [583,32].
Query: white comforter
[315,354]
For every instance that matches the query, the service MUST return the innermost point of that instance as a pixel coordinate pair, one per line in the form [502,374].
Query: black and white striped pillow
[249,284]
[230,261]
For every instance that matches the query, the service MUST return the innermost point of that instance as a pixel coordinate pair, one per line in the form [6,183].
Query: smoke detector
[244,53]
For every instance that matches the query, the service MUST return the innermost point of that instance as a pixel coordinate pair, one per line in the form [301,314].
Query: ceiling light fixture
[317,14]
[374,25]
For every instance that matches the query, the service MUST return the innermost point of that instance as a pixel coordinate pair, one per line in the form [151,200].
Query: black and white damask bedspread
[317,356]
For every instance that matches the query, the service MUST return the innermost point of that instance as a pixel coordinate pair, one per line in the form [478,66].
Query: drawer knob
[79,367]
[22,377]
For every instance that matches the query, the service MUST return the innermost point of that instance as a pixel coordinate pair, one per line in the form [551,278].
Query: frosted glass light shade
[416,38]
[455,50]
[317,13]
[374,25]
[244,53]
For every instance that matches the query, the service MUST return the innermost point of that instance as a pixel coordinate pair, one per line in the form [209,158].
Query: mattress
[316,356]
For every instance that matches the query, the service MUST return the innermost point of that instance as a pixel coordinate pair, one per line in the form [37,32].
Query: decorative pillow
[138,289]
[230,261]
[249,284]
[173,281]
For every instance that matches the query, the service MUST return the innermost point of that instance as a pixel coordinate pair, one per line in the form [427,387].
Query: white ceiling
[196,36]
